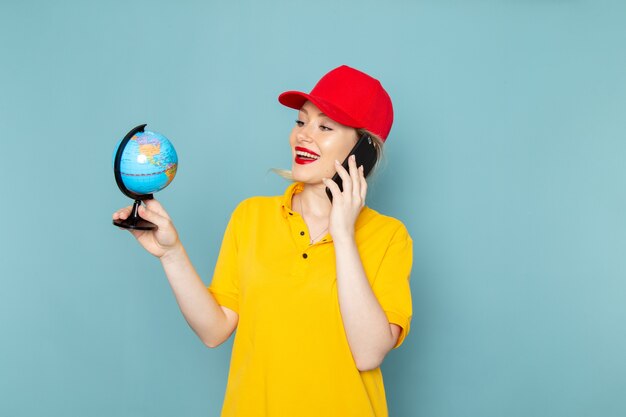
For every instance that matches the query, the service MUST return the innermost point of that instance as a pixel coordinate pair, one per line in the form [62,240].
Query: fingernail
[352,157]
[337,162]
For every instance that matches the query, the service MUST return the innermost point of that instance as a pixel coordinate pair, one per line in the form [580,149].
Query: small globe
[149,162]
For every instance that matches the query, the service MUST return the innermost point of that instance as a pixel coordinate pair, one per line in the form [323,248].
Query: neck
[314,200]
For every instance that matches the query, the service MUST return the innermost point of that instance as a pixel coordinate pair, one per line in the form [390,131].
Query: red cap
[350,97]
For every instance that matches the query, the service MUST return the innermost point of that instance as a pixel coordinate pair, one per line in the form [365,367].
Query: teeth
[307,155]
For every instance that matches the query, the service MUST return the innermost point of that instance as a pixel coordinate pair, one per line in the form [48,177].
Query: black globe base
[137,224]
[134,221]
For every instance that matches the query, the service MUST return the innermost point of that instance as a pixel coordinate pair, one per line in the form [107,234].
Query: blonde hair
[378,145]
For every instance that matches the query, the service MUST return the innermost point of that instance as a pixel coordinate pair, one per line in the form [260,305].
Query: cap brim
[296,99]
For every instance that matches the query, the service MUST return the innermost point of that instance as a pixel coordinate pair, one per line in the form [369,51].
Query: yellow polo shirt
[290,356]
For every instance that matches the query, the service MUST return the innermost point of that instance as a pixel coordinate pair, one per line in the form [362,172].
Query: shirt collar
[297,187]
[364,217]
[293,189]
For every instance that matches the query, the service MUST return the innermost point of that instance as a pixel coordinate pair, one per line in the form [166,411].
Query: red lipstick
[305,156]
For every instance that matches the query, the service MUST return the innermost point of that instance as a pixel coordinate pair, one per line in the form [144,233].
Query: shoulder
[382,225]
[257,205]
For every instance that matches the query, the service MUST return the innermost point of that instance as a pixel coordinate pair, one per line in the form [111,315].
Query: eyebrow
[306,112]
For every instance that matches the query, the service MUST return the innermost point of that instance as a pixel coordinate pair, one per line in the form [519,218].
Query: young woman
[318,291]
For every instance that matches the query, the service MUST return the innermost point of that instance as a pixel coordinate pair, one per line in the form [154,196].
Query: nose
[304,134]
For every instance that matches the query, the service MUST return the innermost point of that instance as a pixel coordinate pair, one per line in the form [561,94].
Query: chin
[304,177]
[311,174]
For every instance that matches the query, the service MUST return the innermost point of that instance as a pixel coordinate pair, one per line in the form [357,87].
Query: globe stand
[134,221]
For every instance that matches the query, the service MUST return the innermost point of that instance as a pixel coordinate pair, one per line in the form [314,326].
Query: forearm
[203,314]
[367,327]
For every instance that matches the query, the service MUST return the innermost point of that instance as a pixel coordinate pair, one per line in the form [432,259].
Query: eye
[325,128]
[299,123]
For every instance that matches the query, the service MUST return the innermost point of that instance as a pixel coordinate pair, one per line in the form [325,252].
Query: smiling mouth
[305,156]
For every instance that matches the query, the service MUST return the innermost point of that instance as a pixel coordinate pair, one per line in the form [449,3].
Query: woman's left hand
[347,204]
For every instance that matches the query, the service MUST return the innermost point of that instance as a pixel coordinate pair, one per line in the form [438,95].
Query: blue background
[506,163]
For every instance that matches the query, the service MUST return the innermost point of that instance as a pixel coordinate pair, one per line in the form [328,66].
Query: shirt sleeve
[391,285]
[225,283]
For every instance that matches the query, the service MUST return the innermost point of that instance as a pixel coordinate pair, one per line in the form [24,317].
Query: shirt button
[301,233]
[304,255]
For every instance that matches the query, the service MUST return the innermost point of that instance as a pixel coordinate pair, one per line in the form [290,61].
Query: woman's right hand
[158,242]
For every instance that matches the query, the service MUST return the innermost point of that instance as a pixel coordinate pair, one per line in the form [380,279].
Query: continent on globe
[148,163]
